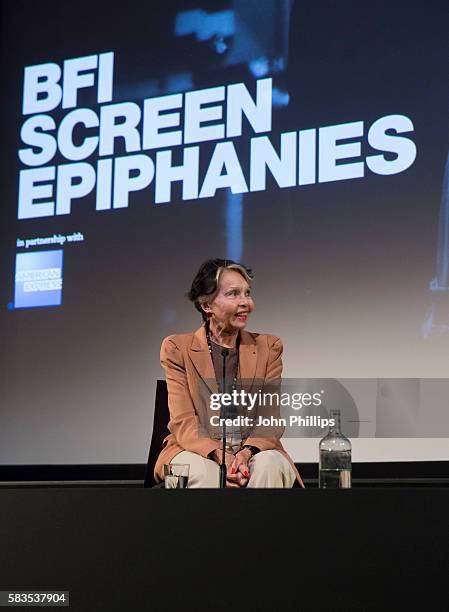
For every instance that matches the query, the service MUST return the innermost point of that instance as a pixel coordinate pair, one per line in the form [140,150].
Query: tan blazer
[188,365]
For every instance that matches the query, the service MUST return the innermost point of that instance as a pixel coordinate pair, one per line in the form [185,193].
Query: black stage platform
[135,549]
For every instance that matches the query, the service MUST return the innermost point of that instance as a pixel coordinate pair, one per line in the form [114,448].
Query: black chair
[160,430]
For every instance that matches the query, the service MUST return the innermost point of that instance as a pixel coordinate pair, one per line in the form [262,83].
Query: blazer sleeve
[273,375]
[184,424]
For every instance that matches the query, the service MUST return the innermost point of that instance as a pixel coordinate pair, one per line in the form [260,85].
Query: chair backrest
[160,430]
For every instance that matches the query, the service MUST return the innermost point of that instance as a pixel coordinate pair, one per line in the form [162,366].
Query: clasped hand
[236,466]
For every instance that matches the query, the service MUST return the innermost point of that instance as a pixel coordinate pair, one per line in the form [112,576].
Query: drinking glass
[176,475]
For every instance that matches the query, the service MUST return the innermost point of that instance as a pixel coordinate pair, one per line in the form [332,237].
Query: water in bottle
[335,457]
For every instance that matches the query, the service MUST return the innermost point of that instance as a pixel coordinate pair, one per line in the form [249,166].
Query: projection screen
[308,140]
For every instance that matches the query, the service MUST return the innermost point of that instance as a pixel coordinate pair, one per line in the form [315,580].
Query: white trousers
[268,469]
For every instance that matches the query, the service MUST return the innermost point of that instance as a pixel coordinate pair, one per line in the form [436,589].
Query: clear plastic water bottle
[335,457]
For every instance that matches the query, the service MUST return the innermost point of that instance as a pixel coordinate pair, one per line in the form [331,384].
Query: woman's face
[233,303]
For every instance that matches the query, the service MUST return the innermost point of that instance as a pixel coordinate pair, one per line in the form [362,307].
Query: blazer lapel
[247,358]
[200,356]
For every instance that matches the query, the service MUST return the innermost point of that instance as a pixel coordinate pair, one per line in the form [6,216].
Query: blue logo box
[38,279]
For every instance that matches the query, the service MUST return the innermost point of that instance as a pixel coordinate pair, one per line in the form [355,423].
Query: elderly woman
[221,293]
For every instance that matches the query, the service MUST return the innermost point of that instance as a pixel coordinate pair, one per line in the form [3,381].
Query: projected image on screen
[307,140]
